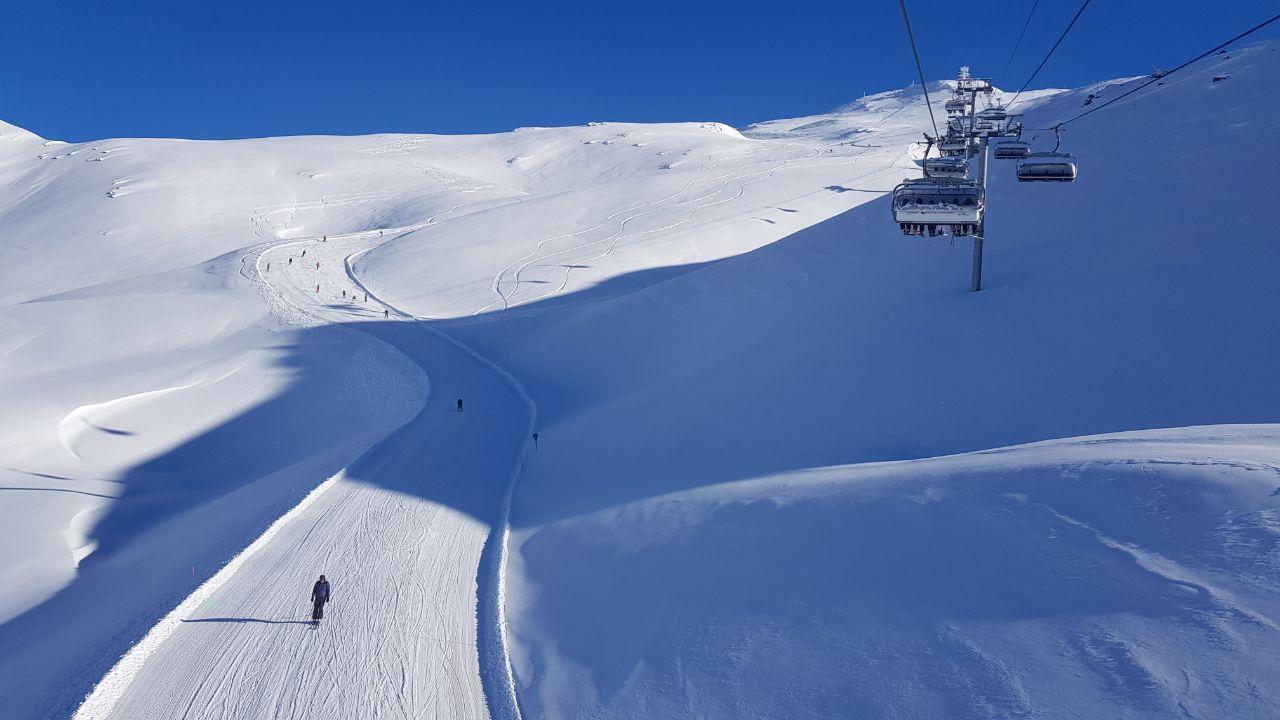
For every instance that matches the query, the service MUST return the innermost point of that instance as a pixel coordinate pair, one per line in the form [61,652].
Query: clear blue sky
[85,70]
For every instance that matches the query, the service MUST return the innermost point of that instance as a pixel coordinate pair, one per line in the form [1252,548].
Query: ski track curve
[408,565]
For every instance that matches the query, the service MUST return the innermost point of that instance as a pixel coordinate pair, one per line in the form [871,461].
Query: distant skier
[459,404]
[319,596]
[304,253]
[317,288]
[386,313]
[317,265]
[268,267]
[535,441]
[290,261]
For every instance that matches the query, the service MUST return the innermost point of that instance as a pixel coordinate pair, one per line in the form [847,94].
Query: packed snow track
[396,533]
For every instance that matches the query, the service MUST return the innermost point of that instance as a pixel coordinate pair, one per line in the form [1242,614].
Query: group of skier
[386,312]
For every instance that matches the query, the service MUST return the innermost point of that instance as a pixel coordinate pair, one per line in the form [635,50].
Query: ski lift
[993,114]
[1047,167]
[938,205]
[956,105]
[959,125]
[953,144]
[946,167]
[1012,150]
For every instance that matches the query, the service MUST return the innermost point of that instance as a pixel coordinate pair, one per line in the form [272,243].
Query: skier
[386,313]
[319,596]
[535,441]
[268,267]
[317,287]
[317,265]
[290,261]
[459,404]
[304,253]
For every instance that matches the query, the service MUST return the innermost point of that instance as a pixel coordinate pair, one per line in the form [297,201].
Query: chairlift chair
[1012,150]
[956,105]
[1046,167]
[953,145]
[946,167]
[938,206]
[994,114]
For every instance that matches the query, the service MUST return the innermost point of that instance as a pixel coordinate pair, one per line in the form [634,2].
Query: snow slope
[1140,297]
[1127,575]
[401,532]
[165,415]
[763,483]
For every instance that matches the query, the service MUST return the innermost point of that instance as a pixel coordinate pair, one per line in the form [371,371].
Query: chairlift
[1046,167]
[1012,150]
[953,145]
[946,167]
[956,105]
[938,206]
[993,114]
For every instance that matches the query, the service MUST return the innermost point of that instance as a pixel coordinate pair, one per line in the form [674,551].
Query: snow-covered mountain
[785,464]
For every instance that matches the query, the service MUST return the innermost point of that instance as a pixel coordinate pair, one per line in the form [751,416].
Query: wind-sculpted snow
[1129,574]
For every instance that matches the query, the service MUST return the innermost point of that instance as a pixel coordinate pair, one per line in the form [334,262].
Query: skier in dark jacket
[319,596]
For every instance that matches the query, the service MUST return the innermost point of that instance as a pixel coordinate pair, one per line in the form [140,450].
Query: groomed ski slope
[399,534]
[764,484]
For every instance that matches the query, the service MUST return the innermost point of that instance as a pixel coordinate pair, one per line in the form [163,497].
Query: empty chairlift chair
[938,206]
[1047,167]
[995,114]
[1012,150]
[955,105]
[946,167]
[991,120]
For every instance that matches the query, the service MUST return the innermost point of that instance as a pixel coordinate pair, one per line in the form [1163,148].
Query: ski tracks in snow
[413,536]
[513,272]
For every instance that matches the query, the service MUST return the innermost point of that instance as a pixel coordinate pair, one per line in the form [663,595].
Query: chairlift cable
[1019,43]
[1061,37]
[1195,59]
[923,85]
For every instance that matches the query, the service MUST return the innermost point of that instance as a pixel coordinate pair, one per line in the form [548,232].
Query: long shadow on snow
[230,483]
[247,620]
[149,552]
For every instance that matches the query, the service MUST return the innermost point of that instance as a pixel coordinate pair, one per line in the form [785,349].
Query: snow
[786,464]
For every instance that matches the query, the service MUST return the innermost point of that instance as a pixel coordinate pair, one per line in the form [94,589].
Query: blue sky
[84,70]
